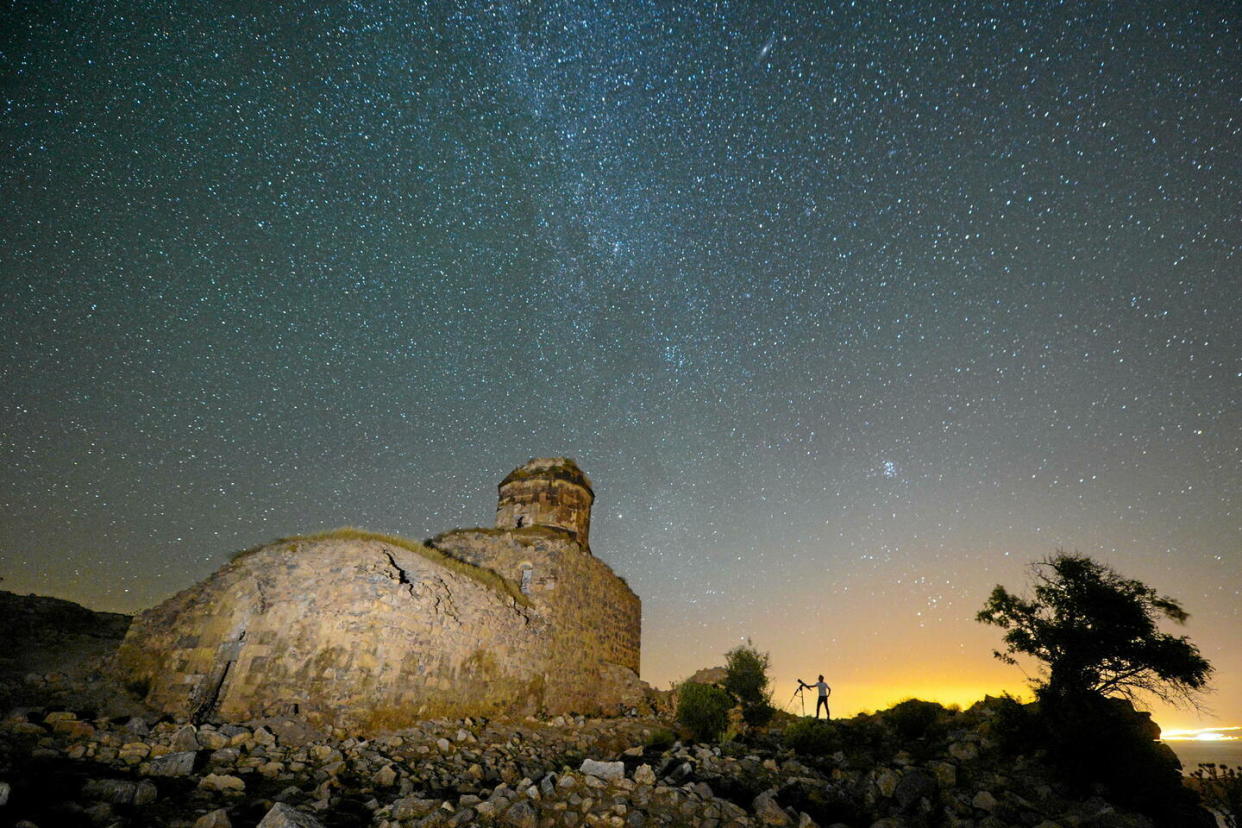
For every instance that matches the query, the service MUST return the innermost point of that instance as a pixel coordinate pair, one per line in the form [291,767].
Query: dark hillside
[49,643]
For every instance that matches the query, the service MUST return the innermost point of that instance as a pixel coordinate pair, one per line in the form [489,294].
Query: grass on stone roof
[566,470]
[486,577]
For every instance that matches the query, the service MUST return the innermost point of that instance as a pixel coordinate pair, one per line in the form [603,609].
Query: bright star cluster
[850,310]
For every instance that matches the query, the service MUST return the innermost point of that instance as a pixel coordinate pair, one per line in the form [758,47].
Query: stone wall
[347,632]
[545,502]
[595,616]
[372,634]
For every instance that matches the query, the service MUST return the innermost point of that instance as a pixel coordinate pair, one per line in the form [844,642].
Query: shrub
[915,719]
[139,687]
[1095,741]
[661,740]
[703,709]
[1016,727]
[758,715]
[812,737]
[746,678]
[1221,788]
[865,736]
[746,673]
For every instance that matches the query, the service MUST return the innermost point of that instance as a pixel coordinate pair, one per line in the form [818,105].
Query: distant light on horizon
[1203,734]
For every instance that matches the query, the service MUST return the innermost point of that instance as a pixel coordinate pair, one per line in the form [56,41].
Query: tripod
[798,693]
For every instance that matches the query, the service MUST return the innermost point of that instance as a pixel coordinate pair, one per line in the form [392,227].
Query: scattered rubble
[570,771]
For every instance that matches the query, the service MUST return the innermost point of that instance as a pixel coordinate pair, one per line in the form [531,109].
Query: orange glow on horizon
[1232,733]
[870,697]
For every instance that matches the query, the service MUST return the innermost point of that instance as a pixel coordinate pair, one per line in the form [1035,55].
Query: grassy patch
[482,575]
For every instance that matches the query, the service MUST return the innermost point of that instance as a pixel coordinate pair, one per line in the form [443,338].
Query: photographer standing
[824,692]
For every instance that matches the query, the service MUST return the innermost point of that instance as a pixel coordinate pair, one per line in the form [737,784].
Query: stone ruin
[356,629]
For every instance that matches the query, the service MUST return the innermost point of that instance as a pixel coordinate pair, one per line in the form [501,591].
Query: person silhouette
[824,692]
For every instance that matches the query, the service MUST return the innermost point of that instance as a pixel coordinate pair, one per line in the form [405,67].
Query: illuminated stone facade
[367,631]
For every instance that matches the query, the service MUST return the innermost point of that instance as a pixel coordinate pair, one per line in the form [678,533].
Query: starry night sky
[850,310]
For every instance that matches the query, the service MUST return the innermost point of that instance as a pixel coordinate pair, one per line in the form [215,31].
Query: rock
[25,728]
[134,752]
[413,807]
[963,751]
[945,772]
[74,729]
[914,785]
[146,792]
[886,781]
[604,770]
[521,815]
[225,756]
[219,818]
[984,801]
[100,813]
[710,675]
[263,736]
[212,739]
[172,764]
[681,773]
[292,732]
[464,817]
[185,739]
[385,776]
[644,775]
[222,783]
[285,816]
[114,791]
[138,726]
[5,791]
[768,812]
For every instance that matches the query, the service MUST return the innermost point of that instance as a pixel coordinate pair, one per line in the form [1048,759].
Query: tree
[703,709]
[1096,634]
[746,678]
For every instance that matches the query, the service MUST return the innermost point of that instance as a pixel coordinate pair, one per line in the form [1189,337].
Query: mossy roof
[486,577]
[554,468]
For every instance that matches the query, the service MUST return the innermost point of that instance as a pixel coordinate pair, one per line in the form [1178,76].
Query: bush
[915,719]
[1221,788]
[812,737]
[1016,727]
[661,740]
[703,709]
[1093,741]
[758,715]
[746,679]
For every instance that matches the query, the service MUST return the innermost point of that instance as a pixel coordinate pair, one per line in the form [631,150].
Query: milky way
[850,310]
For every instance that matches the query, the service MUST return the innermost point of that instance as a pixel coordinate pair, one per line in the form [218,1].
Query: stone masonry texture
[372,633]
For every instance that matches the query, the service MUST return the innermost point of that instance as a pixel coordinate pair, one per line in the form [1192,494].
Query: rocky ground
[58,769]
[76,750]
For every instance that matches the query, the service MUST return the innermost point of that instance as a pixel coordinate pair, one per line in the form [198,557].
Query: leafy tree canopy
[1096,633]
[746,678]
